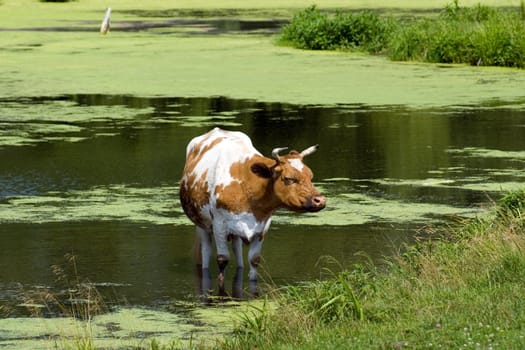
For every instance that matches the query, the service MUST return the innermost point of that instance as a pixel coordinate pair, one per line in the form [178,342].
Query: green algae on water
[207,121]
[26,123]
[124,328]
[472,183]
[153,205]
[488,153]
[358,209]
[160,205]
[238,66]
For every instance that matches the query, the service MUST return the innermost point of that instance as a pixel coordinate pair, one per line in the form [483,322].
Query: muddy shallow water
[96,176]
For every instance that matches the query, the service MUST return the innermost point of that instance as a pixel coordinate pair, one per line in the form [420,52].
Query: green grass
[477,35]
[464,290]
[314,30]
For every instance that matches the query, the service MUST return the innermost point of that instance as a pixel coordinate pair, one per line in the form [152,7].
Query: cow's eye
[289,180]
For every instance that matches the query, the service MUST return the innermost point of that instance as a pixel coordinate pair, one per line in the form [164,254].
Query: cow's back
[209,158]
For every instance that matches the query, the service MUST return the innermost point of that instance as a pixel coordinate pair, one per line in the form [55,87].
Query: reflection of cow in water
[229,190]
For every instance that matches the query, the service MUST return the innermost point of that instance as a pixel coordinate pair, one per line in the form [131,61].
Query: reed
[72,296]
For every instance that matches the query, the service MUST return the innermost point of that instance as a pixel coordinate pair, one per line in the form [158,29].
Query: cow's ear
[261,170]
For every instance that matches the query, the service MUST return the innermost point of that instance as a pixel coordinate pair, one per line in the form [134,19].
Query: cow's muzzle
[315,203]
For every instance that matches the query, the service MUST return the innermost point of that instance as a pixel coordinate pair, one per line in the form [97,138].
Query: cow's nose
[317,203]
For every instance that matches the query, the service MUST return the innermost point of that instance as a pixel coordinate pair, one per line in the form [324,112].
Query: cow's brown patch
[193,196]
[248,192]
[231,198]
[255,261]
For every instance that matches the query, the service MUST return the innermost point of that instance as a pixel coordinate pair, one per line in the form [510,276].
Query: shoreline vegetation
[479,35]
[462,290]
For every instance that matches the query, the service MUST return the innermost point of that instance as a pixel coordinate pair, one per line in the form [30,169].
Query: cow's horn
[275,152]
[309,150]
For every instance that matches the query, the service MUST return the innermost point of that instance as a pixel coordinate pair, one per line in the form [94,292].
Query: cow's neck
[262,197]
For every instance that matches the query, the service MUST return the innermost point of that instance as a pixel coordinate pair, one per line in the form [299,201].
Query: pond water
[96,176]
[208,26]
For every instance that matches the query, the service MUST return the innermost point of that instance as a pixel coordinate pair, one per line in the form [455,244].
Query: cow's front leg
[204,240]
[238,279]
[223,257]
[237,251]
[205,250]
[254,257]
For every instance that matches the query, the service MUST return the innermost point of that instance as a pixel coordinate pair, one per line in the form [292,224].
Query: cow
[229,190]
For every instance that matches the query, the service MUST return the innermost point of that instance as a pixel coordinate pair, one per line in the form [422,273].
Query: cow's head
[292,180]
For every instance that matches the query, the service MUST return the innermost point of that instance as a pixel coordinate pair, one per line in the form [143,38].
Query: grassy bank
[478,35]
[464,290]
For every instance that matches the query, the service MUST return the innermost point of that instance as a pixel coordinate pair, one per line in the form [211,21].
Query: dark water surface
[97,177]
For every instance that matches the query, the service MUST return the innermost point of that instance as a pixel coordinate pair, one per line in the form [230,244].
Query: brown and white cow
[230,190]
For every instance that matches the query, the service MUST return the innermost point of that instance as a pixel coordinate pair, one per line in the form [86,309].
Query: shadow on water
[97,176]
[211,26]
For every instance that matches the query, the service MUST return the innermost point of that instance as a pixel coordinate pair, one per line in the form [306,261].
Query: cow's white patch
[244,225]
[296,163]
[217,161]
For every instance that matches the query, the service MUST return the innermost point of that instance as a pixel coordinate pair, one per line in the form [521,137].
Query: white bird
[104,27]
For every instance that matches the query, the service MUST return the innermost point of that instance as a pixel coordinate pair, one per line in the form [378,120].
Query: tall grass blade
[357,305]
